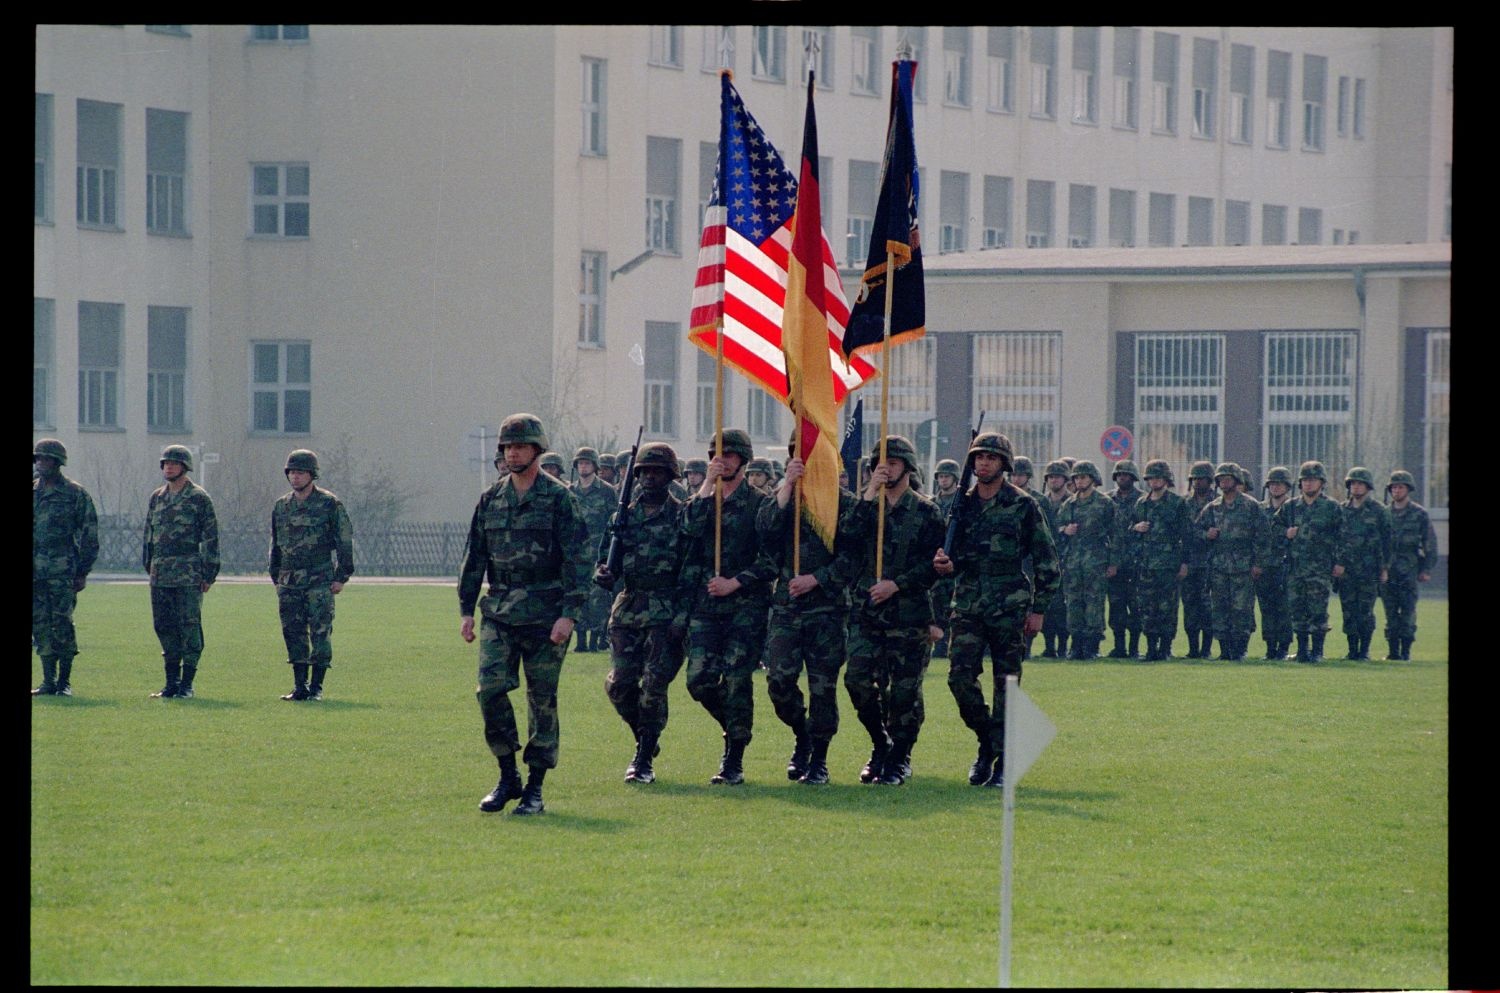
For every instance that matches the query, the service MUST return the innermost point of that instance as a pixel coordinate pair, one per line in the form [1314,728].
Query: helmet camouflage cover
[178,453]
[522,429]
[1201,470]
[586,454]
[1021,466]
[1126,466]
[302,460]
[1083,467]
[1402,477]
[736,442]
[1312,470]
[996,444]
[607,460]
[699,466]
[1279,474]
[1359,474]
[758,465]
[896,447]
[1057,467]
[1229,469]
[946,465]
[50,448]
[1158,469]
[658,454]
[551,458]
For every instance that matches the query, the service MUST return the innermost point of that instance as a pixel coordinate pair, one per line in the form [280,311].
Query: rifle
[612,559]
[955,510]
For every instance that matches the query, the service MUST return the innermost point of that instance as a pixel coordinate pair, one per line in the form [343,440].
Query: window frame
[280,201]
[1016,379]
[99,179]
[43,188]
[280,35]
[1437,386]
[593,107]
[659,399]
[166,386]
[768,64]
[1300,401]
[44,363]
[1190,384]
[99,399]
[283,386]
[592,279]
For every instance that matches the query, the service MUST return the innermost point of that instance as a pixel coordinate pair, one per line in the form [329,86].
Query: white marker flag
[1027,732]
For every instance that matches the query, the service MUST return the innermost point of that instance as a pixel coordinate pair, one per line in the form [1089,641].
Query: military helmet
[1057,467]
[759,465]
[1201,470]
[996,444]
[178,453]
[523,429]
[1083,467]
[949,466]
[1127,467]
[1312,470]
[50,448]
[1244,477]
[1229,469]
[1359,474]
[896,447]
[552,458]
[659,454]
[606,460]
[1404,478]
[1280,474]
[303,460]
[1159,469]
[697,465]
[622,460]
[586,454]
[736,442]
[1021,466]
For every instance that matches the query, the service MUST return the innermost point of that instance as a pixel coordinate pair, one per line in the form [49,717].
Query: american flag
[742,260]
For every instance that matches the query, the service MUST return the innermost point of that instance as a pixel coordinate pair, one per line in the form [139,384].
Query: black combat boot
[173,668]
[1405,655]
[1134,651]
[817,764]
[901,755]
[880,753]
[1119,651]
[796,765]
[997,774]
[980,770]
[185,684]
[891,774]
[299,682]
[731,766]
[1192,651]
[1304,647]
[1049,646]
[64,677]
[315,686]
[49,679]
[506,790]
[1318,637]
[645,751]
[531,796]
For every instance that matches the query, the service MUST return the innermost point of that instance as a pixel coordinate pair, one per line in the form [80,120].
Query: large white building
[378,241]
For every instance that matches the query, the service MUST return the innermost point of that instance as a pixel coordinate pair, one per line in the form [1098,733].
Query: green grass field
[1194,823]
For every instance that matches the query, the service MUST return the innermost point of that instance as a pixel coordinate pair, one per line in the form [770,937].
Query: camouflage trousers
[1086,590]
[1399,595]
[1003,634]
[1197,609]
[177,615]
[52,603]
[1055,620]
[596,610]
[1232,599]
[1275,611]
[643,663]
[812,640]
[1308,600]
[723,652]
[884,679]
[504,651]
[307,624]
[1155,593]
[1123,615]
[1357,596]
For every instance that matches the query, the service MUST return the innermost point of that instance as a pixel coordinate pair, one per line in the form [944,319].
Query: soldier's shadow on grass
[327,704]
[924,797]
[201,703]
[73,701]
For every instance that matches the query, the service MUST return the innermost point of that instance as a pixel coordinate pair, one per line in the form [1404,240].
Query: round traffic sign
[1117,442]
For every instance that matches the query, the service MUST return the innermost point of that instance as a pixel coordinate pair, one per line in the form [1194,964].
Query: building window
[706,394]
[822,65]
[1044,72]
[913,390]
[1127,76]
[1309,226]
[99,329]
[1435,451]
[663,168]
[278,32]
[1038,213]
[1086,75]
[166,368]
[43,364]
[1122,218]
[956,66]
[864,180]
[281,387]
[1241,91]
[42,187]
[1179,398]
[179,30]
[661,379]
[1001,49]
[996,212]
[1278,97]
[1161,220]
[762,417]
[98,163]
[592,107]
[1164,83]
[1018,384]
[666,45]
[1080,216]
[591,299]
[279,199]
[1205,86]
[864,59]
[1308,398]
[1341,123]
[1272,224]
[1447,204]
[718,47]
[1314,82]
[1338,236]
[1200,221]
[953,208]
[1359,108]
[166,172]
[769,60]
[916,38]
[708,172]
[1236,222]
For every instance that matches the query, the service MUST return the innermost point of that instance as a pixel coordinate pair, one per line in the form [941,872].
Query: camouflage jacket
[1367,537]
[1049,514]
[1414,544]
[1096,546]
[534,548]
[834,570]
[996,535]
[741,555]
[1243,534]
[1163,548]
[1277,545]
[64,530]
[312,541]
[1124,505]
[181,543]
[651,587]
[1318,546]
[944,502]
[914,530]
[1197,544]
[597,504]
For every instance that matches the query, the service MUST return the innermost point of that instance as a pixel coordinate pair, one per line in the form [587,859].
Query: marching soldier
[1234,529]
[1313,525]
[1020,478]
[1271,587]
[945,491]
[694,473]
[1122,619]
[1197,612]
[529,537]
[596,502]
[607,468]
[552,465]
[1162,528]
[648,622]
[1055,622]
[1090,559]
[1414,553]
[1367,557]
[180,553]
[64,545]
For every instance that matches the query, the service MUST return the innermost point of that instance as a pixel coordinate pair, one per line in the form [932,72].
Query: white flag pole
[1008,826]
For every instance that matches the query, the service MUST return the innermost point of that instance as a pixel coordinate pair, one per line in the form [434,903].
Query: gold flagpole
[797,502]
[885,403]
[718,442]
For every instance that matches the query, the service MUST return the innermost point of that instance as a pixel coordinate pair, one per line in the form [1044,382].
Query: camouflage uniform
[1367,555]
[1085,562]
[1160,555]
[1123,621]
[991,598]
[942,590]
[1414,552]
[1311,557]
[1271,588]
[180,552]
[312,547]
[1197,609]
[597,502]
[64,545]
[1239,547]
[1055,623]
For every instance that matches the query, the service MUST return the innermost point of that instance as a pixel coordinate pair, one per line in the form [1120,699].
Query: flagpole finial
[810,53]
[726,51]
[904,49]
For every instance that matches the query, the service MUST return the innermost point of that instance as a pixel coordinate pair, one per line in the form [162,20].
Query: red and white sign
[1116,442]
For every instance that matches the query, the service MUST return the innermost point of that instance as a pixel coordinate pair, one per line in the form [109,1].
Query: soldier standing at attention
[1367,558]
[1414,553]
[693,474]
[1271,587]
[528,535]
[607,469]
[64,545]
[1162,529]
[1087,519]
[648,622]
[312,557]
[1055,494]
[1197,613]
[727,626]
[945,491]
[758,475]
[180,553]
[1122,618]
[806,629]
[995,604]
[1020,478]
[1314,527]
[596,501]
[1235,531]
[552,465]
